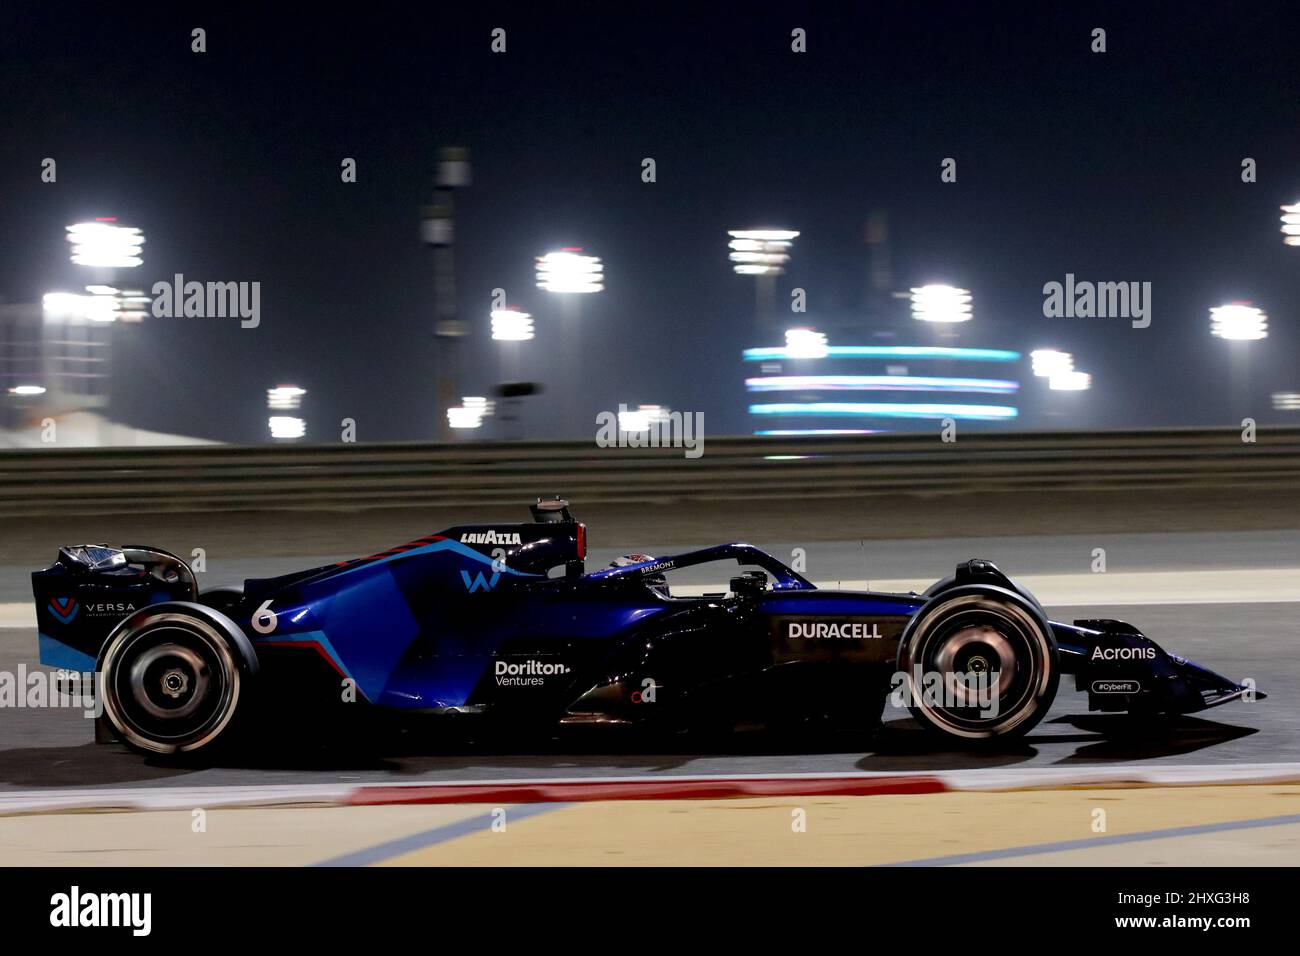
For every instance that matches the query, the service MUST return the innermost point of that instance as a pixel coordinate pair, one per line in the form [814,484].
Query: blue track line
[427,838]
[1085,844]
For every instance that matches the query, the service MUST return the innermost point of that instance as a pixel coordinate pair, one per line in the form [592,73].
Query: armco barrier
[340,476]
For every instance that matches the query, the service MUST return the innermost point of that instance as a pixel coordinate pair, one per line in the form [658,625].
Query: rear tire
[990,634]
[223,598]
[175,677]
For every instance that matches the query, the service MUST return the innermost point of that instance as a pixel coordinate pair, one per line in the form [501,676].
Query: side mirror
[749,584]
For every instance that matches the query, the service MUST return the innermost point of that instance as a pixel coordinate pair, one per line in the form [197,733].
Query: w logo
[63,609]
[480,581]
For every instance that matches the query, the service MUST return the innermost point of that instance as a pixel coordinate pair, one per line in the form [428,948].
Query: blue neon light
[890,351]
[888,410]
[880,383]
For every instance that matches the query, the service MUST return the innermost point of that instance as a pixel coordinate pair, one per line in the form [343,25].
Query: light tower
[438,230]
[1291,224]
[1239,323]
[941,303]
[571,274]
[761,253]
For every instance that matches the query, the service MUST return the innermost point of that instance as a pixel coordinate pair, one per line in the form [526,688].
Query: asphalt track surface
[53,748]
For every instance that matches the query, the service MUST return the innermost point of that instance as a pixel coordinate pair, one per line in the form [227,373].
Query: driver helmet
[655,582]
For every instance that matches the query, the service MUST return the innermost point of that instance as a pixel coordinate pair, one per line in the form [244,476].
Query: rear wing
[554,538]
[91,587]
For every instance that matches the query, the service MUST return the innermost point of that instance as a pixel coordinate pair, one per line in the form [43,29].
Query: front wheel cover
[973,631]
[172,681]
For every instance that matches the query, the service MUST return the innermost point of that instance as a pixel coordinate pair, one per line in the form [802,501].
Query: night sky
[1122,166]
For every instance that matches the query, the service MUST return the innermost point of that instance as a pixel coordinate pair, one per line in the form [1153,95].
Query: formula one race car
[504,621]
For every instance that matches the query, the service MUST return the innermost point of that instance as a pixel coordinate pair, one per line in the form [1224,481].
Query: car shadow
[902,746]
[1118,737]
[403,752]
[411,753]
[82,765]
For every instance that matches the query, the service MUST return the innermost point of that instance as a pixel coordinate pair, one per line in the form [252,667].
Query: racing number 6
[264,619]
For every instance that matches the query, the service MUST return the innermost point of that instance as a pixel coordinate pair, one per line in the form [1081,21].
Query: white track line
[17,614]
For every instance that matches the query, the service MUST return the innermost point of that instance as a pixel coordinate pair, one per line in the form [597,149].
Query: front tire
[174,678]
[980,664]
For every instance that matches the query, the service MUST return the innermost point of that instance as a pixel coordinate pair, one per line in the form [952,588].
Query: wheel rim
[171,684]
[976,637]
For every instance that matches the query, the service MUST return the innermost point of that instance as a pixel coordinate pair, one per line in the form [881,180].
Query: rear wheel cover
[978,636]
[171,683]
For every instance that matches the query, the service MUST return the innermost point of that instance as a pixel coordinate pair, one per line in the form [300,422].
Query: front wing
[1121,669]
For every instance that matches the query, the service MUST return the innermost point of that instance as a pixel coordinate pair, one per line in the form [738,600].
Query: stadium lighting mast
[805,343]
[1057,367]
[77,336]
[438,231]
[761,253]
[941,303]
[105,246]
[1239,323]
[510,327]
[572,275]
[570,271]
[280,399]
[1291,224]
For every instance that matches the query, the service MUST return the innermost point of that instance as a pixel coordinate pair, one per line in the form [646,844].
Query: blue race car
[505,622]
